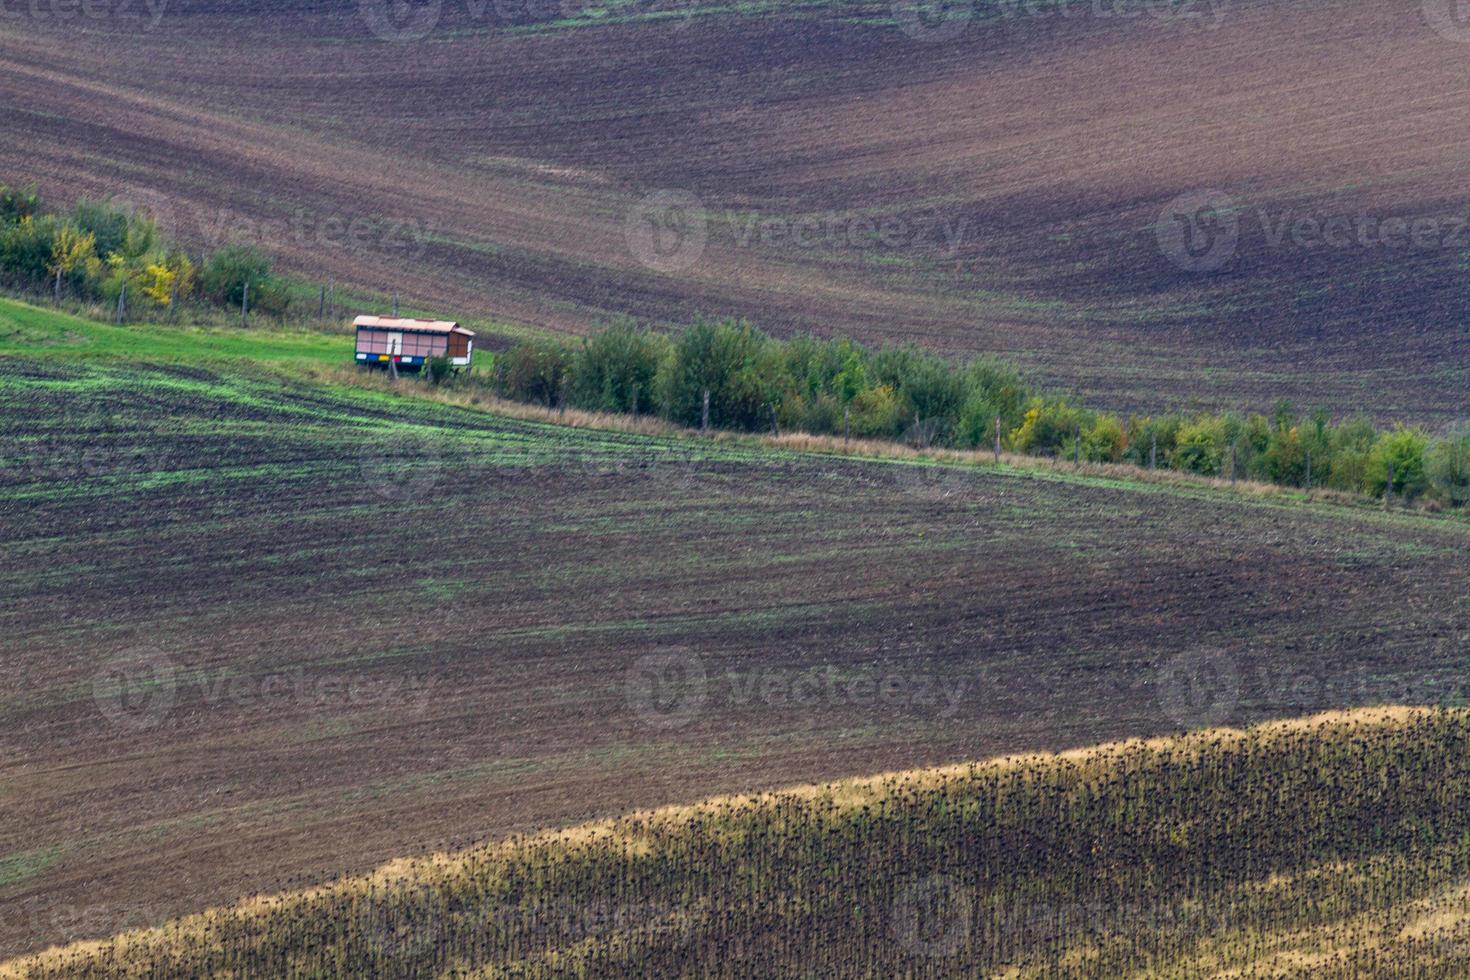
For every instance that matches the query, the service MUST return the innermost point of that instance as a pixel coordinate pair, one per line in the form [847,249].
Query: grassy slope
[33,332]
[494,584]
[1332,846]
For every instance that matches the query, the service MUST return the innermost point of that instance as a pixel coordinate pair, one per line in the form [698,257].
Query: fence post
[1232,464]
[635,398]
[122,302]
[846,425]
[56,293]
[244,301]
[775,426]
[997,440]
[1153,453]
[1077,447]
[1388,490]
[321,303]
[704,419]
[1309,469]
[173,300]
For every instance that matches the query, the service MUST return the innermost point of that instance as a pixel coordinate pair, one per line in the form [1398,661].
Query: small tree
[1447,466]
[535,371]
[16,205]
[106,222]
[438,369]
[1202,446]
[71,250]
[1403,450]
[731,360]
[226,272]
[615,370]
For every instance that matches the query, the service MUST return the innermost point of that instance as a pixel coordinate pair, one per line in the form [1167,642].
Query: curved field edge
[1330,845]
[320,357]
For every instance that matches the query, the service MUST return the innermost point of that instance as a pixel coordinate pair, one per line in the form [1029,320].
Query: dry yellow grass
[1447,912]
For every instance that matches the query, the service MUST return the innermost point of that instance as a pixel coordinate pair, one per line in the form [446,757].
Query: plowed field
[255,632]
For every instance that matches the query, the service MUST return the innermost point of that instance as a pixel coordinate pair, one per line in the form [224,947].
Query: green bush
[877,413]
[1143,432]
[1447,467]
[616,367]
[731,360]
[535,371]
[1350,447]
[1202,446]
[992,391]
[1105,441]
[1402,453]
[438,369]
[26,249]
[16,205]
[226,272]
[929,390]
[1049,427]
[105,222]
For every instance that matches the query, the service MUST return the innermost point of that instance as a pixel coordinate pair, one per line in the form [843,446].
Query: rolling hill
[1326,847]
[262,629]
[1215,204]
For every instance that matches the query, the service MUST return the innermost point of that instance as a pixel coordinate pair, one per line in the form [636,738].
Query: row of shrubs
[839,387]
[102,248]
[755,382]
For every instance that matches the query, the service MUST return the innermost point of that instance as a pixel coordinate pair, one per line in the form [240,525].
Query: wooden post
[56,293]
[245,301]
[122,303]
[321,303]
[704,419]
[1077,447]
[392,367]
[173,300]
[1309,469]
[1388,490]
[775,427]
[332,295]
[997,440]
[635,399]
[1232,464]
[1153,453]
[846,425]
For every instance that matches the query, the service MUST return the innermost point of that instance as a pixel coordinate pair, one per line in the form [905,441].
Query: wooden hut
[407,342]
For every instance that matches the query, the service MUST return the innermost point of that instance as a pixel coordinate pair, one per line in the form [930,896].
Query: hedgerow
[840,387]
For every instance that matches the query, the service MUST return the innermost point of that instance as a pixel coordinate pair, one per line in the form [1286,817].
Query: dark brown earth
[347,636]
[490,169]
